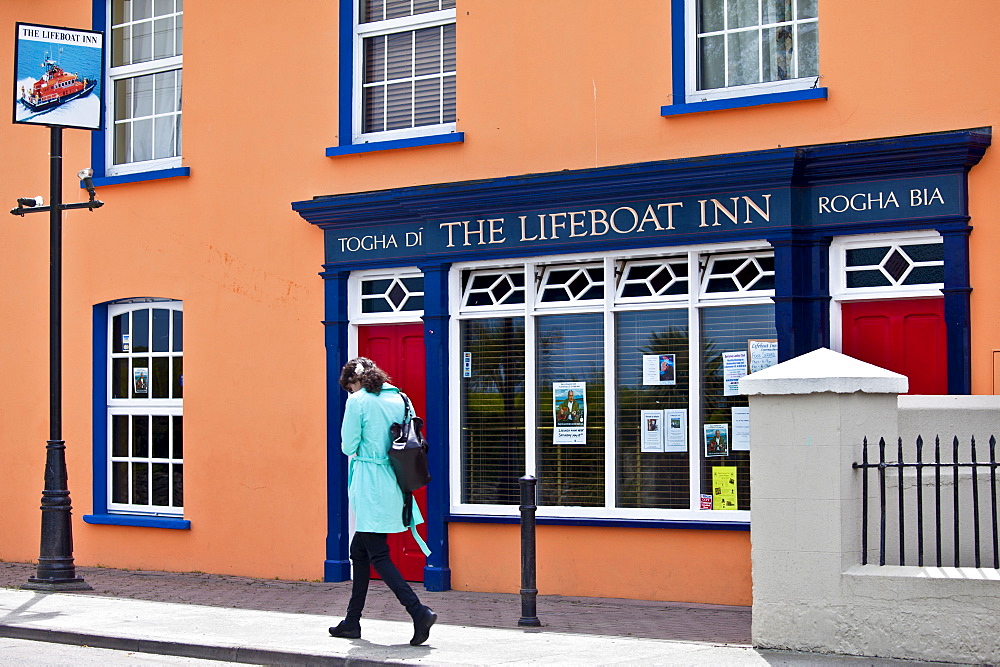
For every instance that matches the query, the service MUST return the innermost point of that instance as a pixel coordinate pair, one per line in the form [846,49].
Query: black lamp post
[56,571]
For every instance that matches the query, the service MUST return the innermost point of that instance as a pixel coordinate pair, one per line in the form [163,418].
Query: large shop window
[405,73]
[613,381]
[143,128]
[145,447]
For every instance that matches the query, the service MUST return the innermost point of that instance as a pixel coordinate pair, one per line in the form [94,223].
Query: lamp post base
[57,585]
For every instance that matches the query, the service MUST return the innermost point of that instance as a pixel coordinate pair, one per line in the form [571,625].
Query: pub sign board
[58,76]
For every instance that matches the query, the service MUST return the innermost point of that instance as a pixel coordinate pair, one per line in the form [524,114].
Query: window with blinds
[561,321]
[408,64]
[657,478]
[727,329]
[492,409]
[570,349]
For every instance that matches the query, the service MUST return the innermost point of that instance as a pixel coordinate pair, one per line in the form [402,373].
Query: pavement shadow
[366,652]
[23,613]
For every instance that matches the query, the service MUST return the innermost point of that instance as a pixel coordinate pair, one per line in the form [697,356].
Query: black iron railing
[941,528]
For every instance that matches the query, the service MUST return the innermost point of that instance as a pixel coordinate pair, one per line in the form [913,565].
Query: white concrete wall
[808,418]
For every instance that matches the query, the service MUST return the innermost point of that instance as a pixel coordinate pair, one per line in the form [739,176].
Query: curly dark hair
[365,371]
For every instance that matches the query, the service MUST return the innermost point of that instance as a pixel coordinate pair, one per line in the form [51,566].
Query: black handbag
[408,455]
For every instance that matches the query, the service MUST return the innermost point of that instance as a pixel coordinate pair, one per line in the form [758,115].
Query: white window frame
[610,305]
[116,74]
[693,94]
[376,29]
[137,406]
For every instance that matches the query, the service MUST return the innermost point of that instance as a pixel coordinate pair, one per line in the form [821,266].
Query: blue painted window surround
[347,108]
[101,514]
[100,160]
[682,51]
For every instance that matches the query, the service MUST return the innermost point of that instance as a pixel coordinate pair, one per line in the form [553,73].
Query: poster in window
[57,76]
[651,425]
[763,353]
[569,413]
[716,439]
[741,430]
[724,488]
[140,380]
[676,433]
[659,369]
[734,366]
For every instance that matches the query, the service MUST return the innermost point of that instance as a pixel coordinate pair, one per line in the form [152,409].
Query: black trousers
[372,550]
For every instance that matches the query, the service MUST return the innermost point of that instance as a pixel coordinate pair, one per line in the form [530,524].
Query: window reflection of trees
[570,348]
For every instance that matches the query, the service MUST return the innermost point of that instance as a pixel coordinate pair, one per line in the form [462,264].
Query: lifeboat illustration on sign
[56,87]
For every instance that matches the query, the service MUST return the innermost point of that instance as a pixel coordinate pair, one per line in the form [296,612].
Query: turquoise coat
[372,490]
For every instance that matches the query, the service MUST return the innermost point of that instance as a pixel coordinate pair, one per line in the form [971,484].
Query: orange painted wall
[706,566]
[542,86]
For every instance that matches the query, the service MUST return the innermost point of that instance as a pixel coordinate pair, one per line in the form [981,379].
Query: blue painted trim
[437,573]
[801,292]
[99,403]
[957,309]
[346,72]
[678,53]
[412,142]
[137,520]
[336,566]
[98,158]
[606,523]
[681,109]
[140,176]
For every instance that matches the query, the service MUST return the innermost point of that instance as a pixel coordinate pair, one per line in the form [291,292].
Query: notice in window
[140,380]
[716,439]
[741,430]
[569,413]
[659,369]
[651,423]
[763,353]
[724,488]
[734,366]
[676,422]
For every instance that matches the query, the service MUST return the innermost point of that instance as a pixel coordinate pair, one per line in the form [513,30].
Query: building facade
[565,228]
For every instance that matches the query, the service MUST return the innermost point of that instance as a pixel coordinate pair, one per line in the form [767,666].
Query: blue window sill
[137,520]
[607,523]
[142,176]
[742,102]
[413,142]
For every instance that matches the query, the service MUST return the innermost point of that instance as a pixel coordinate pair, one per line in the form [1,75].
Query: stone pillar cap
[823,371]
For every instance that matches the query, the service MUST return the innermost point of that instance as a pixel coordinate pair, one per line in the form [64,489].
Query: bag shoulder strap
[409,410]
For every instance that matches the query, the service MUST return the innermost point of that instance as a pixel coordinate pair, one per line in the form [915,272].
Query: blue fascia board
[751,170]
[867,160]
[140,176]
[395,144]
[678,524]
[684,108]
[137,520]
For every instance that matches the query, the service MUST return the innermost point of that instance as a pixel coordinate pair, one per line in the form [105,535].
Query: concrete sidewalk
[270,621]
[269,637]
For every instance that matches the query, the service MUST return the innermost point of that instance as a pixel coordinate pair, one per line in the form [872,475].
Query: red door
[907,336]
[398,349]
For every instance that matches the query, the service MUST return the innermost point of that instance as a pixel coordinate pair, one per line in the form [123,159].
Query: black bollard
[529,614]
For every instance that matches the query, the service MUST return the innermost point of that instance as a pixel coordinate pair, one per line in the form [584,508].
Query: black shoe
[422,626]
[346,631]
